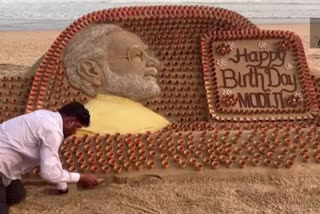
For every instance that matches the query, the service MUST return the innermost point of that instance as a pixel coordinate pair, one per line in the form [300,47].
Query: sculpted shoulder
[114,114]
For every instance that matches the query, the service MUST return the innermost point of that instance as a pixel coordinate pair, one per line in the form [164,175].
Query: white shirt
[32,139]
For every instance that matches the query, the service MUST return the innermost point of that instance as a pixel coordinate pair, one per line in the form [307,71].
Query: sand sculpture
[225,93]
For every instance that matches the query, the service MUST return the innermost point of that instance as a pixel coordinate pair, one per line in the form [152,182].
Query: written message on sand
[263,71]
[260,77]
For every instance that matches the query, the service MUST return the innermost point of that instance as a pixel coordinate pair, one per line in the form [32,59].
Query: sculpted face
[106,59]
[131,69]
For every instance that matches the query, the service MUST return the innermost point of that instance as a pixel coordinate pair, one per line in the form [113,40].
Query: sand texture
[222,191]
[250,190]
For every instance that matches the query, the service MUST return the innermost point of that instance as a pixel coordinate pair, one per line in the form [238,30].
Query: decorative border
[213,97]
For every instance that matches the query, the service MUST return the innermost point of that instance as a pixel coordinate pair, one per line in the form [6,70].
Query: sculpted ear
[91,76]
[90,71]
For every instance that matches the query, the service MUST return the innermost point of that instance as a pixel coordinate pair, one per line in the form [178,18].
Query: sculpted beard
[131,85]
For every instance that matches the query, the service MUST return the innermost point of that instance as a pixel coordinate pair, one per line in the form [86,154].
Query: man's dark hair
[77,110]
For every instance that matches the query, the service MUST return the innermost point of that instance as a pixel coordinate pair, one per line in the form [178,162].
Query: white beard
[131,86]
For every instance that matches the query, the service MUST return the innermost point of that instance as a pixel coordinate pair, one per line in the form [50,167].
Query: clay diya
[138,165]
[215,164]
[183,164]
[151,164]
[165,164]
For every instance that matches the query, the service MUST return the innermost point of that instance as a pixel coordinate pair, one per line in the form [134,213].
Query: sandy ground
[251,190]
[222,191]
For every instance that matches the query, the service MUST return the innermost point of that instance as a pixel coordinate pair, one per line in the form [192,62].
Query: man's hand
[88,180]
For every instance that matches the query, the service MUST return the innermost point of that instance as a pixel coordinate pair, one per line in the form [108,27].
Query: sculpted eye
[136,55]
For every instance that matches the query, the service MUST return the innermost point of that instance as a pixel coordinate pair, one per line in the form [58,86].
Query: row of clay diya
[253,33]
[188,47]
[18,92]
[204,126]
[181,72]
[14,85]
[262,131]
[307,119]
[18,79]
[194,68]
[12,101]
[243,162]
[189,147]
[175,97]
[174,75]
[221,109]
[160,101]
[15,97]
[213,157]
[176,111]
[12,108]
[212,162]
[173,30]
[162,13]
[248,127]
[179,99]
[264,128]
[266,149]
[65,97]
[58,101]
[186,83]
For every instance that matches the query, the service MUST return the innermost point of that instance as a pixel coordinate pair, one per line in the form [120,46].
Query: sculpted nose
[152,62]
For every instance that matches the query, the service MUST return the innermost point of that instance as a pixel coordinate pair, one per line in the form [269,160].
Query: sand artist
[217,92]
[34,139]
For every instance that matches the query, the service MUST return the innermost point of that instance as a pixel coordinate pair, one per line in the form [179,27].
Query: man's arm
[51,167]
[50,164]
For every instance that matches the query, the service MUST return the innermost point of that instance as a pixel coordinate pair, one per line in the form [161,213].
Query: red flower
[223,49]
[293,100]
[229,100]
[283,45]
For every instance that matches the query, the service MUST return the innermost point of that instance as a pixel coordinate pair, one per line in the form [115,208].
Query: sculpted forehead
[121,40]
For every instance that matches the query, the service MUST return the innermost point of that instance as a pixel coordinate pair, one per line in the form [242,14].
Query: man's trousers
[12,194]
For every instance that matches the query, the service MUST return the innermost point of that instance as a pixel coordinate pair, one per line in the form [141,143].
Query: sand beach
[249,190]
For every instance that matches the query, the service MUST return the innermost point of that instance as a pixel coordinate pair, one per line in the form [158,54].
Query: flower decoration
[221,62]
[283,45]
[288,67]
[228,98]
[231,45]
[295,100]
[262,45]
[223,49]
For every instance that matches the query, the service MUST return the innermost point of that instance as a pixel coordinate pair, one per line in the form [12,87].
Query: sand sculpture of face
[104,58]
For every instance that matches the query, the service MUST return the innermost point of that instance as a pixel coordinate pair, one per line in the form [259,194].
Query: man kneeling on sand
[34,139]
